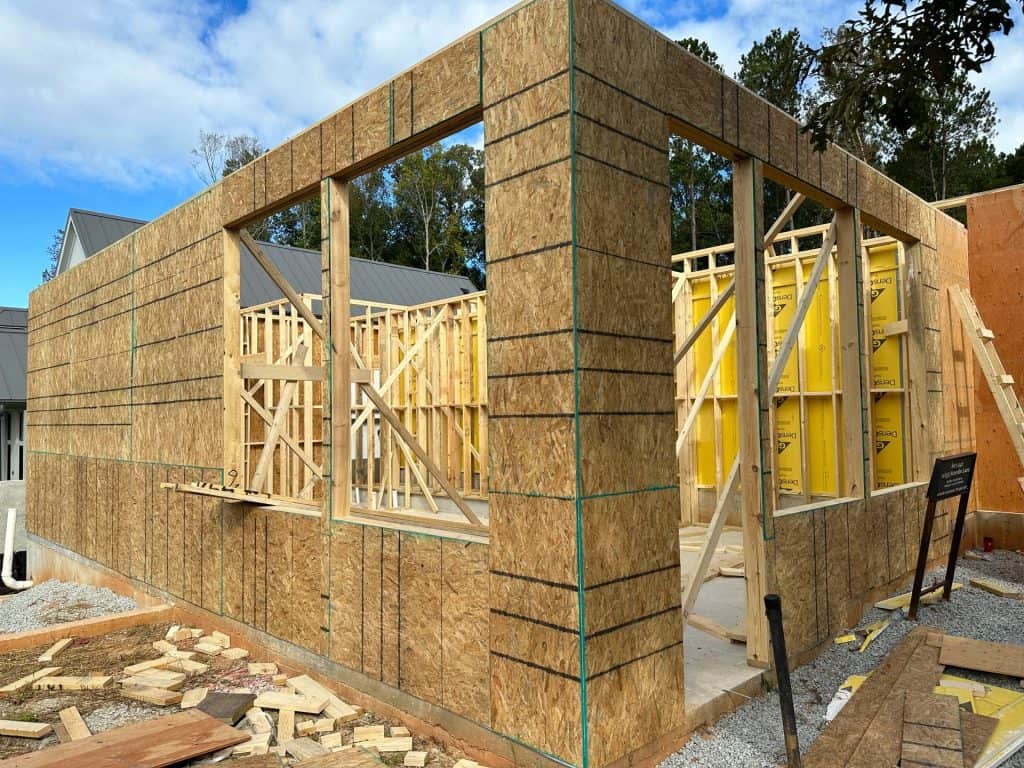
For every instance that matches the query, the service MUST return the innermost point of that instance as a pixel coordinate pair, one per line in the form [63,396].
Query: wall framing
[567,645]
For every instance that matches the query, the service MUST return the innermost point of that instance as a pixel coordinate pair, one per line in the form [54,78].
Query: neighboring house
[88,232]
[13,362]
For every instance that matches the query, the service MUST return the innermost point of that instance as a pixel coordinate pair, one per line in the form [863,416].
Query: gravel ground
[751,737]
[54,602]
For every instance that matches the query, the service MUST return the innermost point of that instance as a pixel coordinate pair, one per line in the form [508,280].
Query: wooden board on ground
[24,682]
[336,708]
[73,683]
[159,697]
[390,744]
[712,627]
[73,723]
[989,586]
[997,658]
[101,625]
[23,730]
[285,726]
[368,733]
[154,743]
[193,697]
[56,648]
[142,666]
[313,705]
[227,707]
[415,759]
[303,748]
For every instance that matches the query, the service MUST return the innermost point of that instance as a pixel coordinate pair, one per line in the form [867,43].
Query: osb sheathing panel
[544,195]
[371,123]
[828,560]
[524,48]
[279,172]
[347,595]
[306,158]
[373,553]
[421,617]
[519,395]
[538,354]
[616,548]
[996,277]
[550,437]
[539,145]
[465,607]
[553,647]
[632,703]
[606,438]
[519,543]
[446,84]
[517,305]
[518,688]
[641,313]
[522,110]
[390,612]
[401,108]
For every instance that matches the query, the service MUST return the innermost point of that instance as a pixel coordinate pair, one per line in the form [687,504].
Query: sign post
[951,476]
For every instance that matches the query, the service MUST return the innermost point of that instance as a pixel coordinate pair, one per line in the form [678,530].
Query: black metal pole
[954,547]
[773,610]
[922,558]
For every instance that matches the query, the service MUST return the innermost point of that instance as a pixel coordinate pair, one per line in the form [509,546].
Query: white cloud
[117,92]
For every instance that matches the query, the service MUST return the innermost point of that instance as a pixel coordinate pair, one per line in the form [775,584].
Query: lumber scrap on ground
[154,743]
[997,658]
[101,625]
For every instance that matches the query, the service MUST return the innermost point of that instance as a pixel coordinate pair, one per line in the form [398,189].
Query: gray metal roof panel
[13,354]
[96,231]
[370,280]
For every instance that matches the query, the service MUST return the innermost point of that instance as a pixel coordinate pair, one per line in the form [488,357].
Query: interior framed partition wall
[555,636]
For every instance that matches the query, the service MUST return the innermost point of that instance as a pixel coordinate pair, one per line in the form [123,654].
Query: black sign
[951,476]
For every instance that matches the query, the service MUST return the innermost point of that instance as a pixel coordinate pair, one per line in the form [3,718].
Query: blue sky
[103,99]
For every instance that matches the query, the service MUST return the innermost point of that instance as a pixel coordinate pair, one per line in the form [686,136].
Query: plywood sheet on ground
[149,744]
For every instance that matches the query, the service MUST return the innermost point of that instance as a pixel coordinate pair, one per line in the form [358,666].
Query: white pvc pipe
[9,581]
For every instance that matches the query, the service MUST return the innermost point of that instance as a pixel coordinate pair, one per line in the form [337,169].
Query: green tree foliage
[53,255]
[424,210]
[949,151]
[895,53]
[700,183]
[777,69]
[1012,169]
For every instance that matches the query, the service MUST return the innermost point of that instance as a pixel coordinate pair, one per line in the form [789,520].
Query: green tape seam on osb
[580,596]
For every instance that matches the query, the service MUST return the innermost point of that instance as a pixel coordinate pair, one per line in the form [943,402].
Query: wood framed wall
[564,633]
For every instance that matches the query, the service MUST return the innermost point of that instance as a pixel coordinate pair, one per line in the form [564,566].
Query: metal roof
[13,354]
[370,280]
[98,230]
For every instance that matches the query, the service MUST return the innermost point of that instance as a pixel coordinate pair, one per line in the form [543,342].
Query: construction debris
[56,648]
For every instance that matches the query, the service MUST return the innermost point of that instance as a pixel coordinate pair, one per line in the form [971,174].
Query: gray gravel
[751,737]
[121,713]
[54,602]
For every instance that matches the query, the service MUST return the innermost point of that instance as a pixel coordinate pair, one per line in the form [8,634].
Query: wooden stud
[336,259]
[752,402]
[852,329]
[233,430]
[73,723]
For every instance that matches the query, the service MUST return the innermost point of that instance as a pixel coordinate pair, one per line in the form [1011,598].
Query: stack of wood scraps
[909,712]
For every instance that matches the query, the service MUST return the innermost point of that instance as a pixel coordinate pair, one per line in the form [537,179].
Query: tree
[777,69]
[700,189]
[218,155]
[1012,171]
[895,51]
[433,202]
[53,255]
[862,132]
[370,215]
[950,151]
